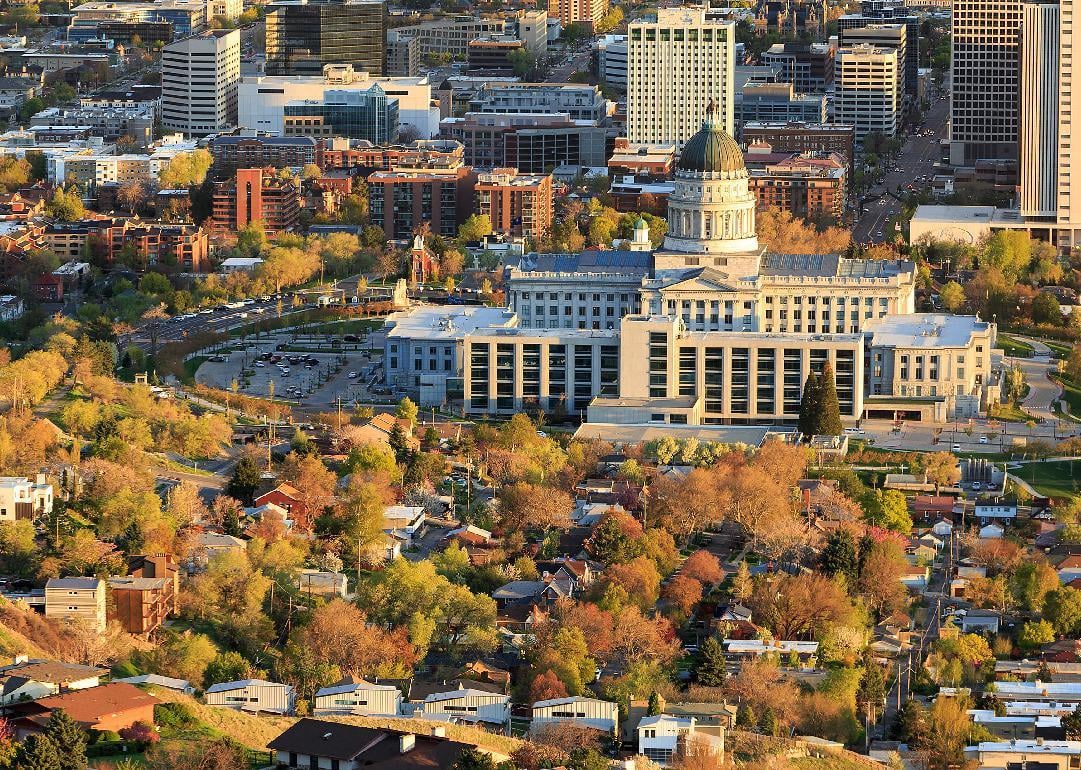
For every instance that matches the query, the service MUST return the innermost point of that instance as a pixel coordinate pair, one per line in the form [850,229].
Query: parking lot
[305,370]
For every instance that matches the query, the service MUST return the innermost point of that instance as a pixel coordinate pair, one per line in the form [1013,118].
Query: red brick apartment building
[256,194]
[518,204]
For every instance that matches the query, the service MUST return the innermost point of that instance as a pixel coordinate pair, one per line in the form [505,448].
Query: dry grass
[256,732]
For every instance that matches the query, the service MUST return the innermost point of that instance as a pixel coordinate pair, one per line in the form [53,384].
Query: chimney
[406,743]
[439,732]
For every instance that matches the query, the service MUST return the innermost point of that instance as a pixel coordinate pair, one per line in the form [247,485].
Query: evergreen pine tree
[654,708]
[70,740]
[711,669]
[808,406]
[745,717]
[231,522]
[38,752]
[245,480]
[1071,723]
[768,723]
[829,410]
[839,555]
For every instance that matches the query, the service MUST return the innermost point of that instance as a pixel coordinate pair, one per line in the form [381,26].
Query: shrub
[175,715]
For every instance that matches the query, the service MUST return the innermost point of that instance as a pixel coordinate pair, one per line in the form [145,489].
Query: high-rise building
[370,115]
[436,191]
[586,12]
[256,194]
[678,64]
[1049,36]
[892,36]
[302,36]
[807,66]
[890,12]
[199,77]
[867,90]
[517,204]
[985,80]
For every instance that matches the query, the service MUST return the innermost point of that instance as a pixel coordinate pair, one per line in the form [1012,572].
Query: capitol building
[709,329]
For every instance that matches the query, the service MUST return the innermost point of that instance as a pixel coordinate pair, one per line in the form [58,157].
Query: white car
[260,365]
[352,375]
[983,439]
[956,448]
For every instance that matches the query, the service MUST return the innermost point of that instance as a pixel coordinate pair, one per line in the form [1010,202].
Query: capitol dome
[711,151]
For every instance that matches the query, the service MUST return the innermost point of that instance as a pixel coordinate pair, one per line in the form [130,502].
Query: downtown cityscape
[566,385]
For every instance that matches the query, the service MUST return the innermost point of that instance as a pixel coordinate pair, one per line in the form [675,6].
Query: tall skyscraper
[890,12]
[302,36]
[586,12]
[867,89]
[985,80]
[677,65]
[1050,35]
[199,77]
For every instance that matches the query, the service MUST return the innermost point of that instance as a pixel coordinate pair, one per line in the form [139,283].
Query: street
[917,158]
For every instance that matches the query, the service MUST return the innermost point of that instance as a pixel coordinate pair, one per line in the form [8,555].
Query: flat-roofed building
[76,598]
[517,204]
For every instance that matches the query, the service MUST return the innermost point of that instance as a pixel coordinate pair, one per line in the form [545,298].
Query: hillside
[256,732]
[18,626]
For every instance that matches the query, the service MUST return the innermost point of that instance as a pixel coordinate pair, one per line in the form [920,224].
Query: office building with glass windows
[304,35]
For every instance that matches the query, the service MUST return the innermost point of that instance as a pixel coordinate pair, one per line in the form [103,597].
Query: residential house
[943,528]
[358,696]
[933,540]
[927,507]
[915,577]
[108,707]
[919,552]
[466,705]
[996,509]
[419,690]
[212,544]
[1035,754]
[661,736]
[1029,669]
[404,521]
[158,565]
[33,679]
[21,498]
[991,532]
[252,695]
[543,592]
[314,582]
[1060,692]
[1016,726]
[585,712]
[314,743]
[806,653]
[140,604]
[480,671]
[579,573]
[288,497]
[164,682]
[76,598]
[1069,569]
[980,621]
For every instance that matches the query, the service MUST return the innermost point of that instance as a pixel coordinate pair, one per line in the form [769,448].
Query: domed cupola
[712,151]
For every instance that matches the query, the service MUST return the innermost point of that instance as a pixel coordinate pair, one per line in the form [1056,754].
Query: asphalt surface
[917,158]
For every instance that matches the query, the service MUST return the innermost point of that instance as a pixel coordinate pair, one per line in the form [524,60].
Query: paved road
[561,73]
[1042,390]
[917,158]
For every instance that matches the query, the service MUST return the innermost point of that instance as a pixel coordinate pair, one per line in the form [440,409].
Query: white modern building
[199,77]
[252,695]
[359,697]
[466,705]
[679,63]
[868,89]
[263,98]
[985,80]
[1037,753]
[612,60]
[661,736]
[597,714]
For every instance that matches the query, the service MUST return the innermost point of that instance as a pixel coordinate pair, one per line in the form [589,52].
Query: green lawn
[1009,413]
[1014,347]
[1054,479]
[1071,395]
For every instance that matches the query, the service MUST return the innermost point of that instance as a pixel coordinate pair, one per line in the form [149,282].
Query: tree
[187,169]
[1062,609]
[942,470]
[1046,310]
[70,740]
[66,206]
[340,634]
[1030,583]
[474,759]
[704,567]
[38,752]
[132,194]
[785,234]
[952,296]
[228,666]
[546,686]
[532,506]
[890,510]
[251,239]
[829,409]
[1035,634]
[839,555]
[474,228]
[711,670]
[910,724]
[14,173]
[809,406]
[683,593]
[655,705]
[1071,723]
[407,411]
[245,480]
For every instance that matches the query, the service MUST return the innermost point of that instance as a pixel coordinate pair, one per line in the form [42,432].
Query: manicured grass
[1009,413]
[1060,349]
[1071,395]
[1053,478]
[1014,347]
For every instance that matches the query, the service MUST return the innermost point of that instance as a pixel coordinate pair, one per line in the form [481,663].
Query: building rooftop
[447,322]
[749,435]
[613,262]
[925,330]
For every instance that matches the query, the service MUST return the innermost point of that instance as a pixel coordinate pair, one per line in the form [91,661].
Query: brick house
[110,707]
[288,497]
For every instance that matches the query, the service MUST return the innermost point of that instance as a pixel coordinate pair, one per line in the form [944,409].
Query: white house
[750,649]
[21,498]
[991,532]
[359,697]
[466,705]
[587,712]
[996,509]
[943,528]
[659,736]
[34,679]
[166,682]
[240,264]
[915,577]
[1061,692]
[980,621]
[322,583]
[252,695]
[1046,755]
